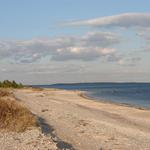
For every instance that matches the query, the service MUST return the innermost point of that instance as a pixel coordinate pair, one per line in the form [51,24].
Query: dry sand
[87,124]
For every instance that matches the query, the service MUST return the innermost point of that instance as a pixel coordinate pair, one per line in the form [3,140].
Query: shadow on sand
[48,130]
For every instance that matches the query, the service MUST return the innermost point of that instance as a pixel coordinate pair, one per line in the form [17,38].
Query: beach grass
[14,116]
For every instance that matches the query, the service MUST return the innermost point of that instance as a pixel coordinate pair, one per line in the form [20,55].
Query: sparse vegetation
[14,116]
[10,84]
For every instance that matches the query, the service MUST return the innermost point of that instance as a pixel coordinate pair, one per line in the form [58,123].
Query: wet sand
[88,124]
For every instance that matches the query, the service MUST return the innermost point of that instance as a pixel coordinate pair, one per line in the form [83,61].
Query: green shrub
[10,84]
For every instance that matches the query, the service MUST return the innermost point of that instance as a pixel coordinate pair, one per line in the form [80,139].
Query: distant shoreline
[75,83]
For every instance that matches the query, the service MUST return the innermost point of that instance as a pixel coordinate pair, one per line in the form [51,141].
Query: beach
[87,124]
[75,75]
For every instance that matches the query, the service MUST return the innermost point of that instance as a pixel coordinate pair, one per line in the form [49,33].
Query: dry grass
[14,116]
[4,93]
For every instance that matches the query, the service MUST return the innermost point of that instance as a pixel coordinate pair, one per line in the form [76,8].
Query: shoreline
[84,95]
[88,124]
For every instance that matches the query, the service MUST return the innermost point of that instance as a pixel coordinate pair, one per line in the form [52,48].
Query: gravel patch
[29,140]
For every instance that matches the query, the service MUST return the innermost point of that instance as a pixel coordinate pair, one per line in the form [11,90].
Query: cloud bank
[91,54]
[89,47]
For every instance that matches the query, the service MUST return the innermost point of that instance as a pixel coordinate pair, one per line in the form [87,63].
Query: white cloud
[88,47]
[144,33]
[146,48]
[129,61]
[82,53]
[122,20]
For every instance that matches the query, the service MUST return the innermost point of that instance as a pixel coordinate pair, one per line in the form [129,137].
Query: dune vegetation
[13,115]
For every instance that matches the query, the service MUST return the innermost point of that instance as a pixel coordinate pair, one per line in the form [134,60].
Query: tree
[9,84]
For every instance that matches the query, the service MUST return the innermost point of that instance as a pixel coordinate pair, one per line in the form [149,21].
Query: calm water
[128,93]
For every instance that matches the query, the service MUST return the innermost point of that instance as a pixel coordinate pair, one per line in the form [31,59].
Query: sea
[134,94]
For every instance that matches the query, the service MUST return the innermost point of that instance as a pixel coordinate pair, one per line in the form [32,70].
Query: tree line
[10,84]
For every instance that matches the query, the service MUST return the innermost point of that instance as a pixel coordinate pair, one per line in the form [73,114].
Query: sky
[53,41]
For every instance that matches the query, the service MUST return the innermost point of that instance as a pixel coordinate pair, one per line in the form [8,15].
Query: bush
[10,84]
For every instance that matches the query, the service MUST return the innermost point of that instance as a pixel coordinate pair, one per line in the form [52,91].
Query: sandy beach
[86,124]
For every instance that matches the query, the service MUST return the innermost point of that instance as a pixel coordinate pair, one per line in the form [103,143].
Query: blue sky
[74,41]
[30,18]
